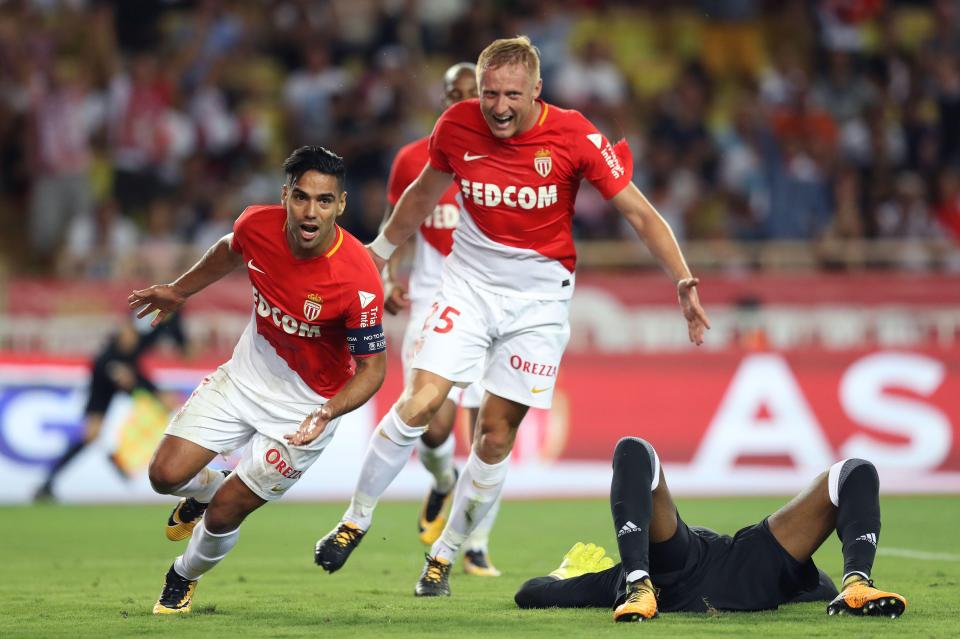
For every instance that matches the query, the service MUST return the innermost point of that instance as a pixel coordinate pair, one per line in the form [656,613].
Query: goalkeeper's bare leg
[845,498]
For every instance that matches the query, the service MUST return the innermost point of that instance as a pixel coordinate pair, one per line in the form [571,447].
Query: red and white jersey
[515,234]
[311,317]
[434,239]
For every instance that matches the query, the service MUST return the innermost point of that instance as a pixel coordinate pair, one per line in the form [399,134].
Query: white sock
[390,448]
[479,539]
[477,491]
[854,572]
[204,551]
[439,463]
[637,575]
[203,485]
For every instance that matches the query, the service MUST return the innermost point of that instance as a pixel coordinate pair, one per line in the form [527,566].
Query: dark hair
[314,158]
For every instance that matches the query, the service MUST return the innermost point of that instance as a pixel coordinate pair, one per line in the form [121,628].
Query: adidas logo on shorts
[628,527]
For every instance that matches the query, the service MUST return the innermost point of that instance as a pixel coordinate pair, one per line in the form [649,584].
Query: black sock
[72,452]
[858,515]
[631,500]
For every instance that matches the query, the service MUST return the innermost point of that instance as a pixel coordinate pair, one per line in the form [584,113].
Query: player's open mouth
[309,231]
[502,121]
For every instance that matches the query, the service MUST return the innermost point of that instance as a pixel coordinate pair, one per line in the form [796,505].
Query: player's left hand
[311,427]
[395,297]
[697,320]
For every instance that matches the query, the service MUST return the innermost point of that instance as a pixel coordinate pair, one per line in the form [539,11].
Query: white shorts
[468,397]
[221,417]
[511,345]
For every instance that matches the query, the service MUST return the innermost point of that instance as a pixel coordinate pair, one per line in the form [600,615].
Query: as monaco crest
[311,307]
[542,162]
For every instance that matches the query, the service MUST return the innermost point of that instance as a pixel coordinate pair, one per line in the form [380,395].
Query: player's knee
[866,464]
[222,517]
[163,479]
[434,436]
[841,472]
[495,444]
[633,448]
[631,445]
[862,466]
[845,467]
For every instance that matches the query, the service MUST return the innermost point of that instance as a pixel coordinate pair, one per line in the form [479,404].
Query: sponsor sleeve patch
[366,340]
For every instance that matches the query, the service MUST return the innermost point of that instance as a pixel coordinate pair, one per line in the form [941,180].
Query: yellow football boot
[859,597]
[184,518]
[478,564]
[176,598]
[641,603]
[433,514]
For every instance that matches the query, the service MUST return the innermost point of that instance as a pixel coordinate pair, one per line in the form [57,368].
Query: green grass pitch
[85,571]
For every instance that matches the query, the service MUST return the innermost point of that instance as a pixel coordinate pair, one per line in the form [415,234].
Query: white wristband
[383,247]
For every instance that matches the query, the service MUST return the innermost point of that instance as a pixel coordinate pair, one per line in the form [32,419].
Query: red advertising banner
[802,409]
[725,422]
[730,412]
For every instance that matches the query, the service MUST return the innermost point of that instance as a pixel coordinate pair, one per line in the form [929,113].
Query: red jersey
[434,239]
[515,234]
[311,316]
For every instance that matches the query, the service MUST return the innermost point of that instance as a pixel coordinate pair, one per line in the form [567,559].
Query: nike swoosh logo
[254,268]
[470,158]
[483,486]
[536,390]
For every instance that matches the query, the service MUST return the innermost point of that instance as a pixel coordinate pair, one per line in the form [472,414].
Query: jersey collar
[535,129]
[336,243]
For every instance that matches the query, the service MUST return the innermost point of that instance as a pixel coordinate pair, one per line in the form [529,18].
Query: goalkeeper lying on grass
[667,565]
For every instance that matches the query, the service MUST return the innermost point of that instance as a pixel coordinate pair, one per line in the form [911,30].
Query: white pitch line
[917,554]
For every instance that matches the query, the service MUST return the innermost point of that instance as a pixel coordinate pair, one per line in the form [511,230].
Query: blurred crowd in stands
[133,133]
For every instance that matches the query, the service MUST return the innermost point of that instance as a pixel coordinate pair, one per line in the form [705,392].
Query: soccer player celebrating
[501,316]
[432,244]
[313,351]
[667,565]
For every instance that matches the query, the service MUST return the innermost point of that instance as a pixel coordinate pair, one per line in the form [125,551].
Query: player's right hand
[163,299]
[697,320]
[396,298]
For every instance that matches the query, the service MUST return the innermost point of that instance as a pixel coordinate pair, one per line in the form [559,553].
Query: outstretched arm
[412,209]
[366,381]
[656,234]
[219,260]
[586,578]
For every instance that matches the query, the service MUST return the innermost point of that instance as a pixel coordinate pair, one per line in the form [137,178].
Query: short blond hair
[507,51]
